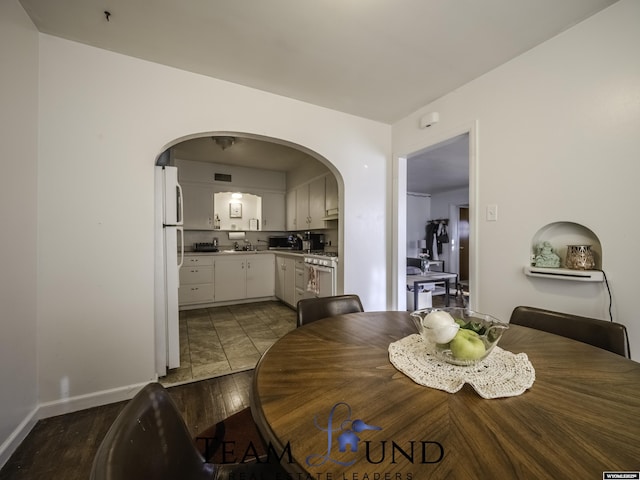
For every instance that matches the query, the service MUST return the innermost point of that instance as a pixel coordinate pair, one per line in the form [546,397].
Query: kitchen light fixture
[224,142]
[236,195]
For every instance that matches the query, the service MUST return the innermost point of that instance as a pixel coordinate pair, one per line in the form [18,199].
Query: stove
[322,259]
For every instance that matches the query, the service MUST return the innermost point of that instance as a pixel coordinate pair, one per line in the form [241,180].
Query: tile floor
[221,340]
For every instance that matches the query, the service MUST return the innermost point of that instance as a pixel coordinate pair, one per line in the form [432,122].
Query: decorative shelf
[565,274]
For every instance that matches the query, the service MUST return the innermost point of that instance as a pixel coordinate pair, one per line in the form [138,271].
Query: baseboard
[81,402]
[17,436]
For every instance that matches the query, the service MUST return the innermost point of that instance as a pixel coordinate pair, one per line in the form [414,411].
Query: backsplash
[258,239]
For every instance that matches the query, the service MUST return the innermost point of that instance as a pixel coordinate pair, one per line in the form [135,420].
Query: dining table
[331,405]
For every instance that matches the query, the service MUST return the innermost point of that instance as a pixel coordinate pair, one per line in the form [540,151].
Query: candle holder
[580,257]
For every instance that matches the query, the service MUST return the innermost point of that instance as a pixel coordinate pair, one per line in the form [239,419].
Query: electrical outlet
[492,213]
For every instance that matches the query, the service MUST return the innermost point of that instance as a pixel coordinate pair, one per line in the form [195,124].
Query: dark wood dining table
[331,406]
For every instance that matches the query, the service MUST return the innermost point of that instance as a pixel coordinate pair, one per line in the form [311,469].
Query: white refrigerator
[169,256]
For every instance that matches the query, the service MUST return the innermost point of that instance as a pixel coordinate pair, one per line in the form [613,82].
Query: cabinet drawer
[193,274]
[195,293]
[190,260]
[300,278]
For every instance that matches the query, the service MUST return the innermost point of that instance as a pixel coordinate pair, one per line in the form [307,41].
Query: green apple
[467,345]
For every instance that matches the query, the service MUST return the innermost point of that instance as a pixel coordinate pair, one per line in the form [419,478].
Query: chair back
[149,439]
[599,333]
[312,309]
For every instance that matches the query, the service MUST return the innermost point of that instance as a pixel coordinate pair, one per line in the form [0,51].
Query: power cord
[606,282]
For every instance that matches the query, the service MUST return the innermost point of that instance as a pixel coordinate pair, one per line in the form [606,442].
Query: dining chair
[312,309]
[610,336]
[149,439]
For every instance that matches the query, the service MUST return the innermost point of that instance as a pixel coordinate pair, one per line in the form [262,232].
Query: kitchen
[257,225]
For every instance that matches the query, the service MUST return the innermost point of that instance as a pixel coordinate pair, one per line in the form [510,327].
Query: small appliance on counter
[285,242]
[313,242]
[205,247]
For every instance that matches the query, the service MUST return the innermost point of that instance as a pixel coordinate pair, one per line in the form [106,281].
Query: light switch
[492,213]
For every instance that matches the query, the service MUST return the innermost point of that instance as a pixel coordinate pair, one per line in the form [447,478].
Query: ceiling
[245,152]
[439,168]
[377,59]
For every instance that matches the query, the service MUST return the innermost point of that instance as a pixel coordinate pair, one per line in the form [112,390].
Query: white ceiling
[378,59]
[442,167]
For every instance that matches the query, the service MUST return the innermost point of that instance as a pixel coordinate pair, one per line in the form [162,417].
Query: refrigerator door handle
[180,207]
[181,262]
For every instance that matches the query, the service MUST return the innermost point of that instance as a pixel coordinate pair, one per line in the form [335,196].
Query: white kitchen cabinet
[317,203]
[286,279]
[291,210]
[197,206]
[331,204]
[260,271]
[239,277]
[196,280]
[273,212]
[230,278]
[310,205]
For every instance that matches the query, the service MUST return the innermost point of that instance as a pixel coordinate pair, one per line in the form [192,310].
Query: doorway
[209,329]
[445,171]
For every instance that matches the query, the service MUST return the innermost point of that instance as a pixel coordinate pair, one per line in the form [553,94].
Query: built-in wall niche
[560,235]
[237,211]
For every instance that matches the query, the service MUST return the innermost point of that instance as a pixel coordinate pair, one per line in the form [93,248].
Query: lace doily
[501,374]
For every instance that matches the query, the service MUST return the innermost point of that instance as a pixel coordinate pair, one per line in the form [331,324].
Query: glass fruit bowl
[457,335]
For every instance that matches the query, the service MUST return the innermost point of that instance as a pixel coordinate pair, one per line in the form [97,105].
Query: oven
[320,275]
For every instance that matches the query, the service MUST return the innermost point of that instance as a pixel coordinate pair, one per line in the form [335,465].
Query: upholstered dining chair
[610,336]
[312,309]
[149,440]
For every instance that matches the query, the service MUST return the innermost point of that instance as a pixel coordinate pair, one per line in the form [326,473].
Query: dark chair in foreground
[149,440]
[599,333]
[312,309]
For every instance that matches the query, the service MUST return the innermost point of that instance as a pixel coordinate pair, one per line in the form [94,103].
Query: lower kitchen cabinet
[286,279]
[196,280]
[239,277]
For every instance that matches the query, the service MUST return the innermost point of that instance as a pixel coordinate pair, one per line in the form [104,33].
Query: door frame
[398,285]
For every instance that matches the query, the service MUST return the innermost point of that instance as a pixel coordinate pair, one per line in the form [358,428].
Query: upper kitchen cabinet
[310,205]
[198,206]
[331,204]
[273,212]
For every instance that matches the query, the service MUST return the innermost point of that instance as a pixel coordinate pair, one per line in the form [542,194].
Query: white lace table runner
[501,374]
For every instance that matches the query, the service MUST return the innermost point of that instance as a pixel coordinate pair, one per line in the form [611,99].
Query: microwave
[280,242]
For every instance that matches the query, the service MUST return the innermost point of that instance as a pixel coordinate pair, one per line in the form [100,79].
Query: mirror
[237,211]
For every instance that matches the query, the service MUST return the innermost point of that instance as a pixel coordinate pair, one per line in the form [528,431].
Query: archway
[291,160]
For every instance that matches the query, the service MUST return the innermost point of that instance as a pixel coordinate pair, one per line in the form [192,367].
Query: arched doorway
[236,161]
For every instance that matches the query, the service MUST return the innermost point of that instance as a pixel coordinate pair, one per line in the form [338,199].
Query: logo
[345,430]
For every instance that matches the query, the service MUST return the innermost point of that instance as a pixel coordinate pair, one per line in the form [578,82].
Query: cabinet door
[195,293]
[273,208]
[279,277]
[316,203]
[230,278]
[331,204]
[302,207]
[290,281]
[260,275]
[291,210]
[198,206]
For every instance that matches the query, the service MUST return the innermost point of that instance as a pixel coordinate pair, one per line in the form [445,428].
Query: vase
[580,257]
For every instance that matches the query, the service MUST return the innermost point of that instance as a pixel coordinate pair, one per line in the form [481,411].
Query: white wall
[104,119]
[18,235]
[558,140]
[440,208]
[418,212]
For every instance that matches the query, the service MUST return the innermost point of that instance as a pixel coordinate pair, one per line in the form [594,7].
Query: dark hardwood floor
[63,447]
